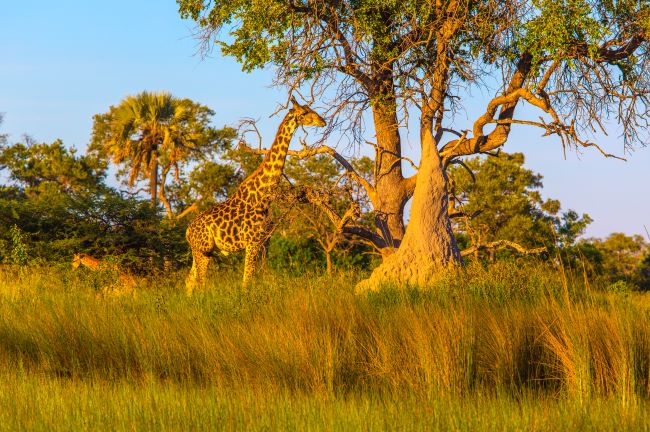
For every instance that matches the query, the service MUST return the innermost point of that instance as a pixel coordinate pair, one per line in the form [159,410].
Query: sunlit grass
[516,346]
[38,403]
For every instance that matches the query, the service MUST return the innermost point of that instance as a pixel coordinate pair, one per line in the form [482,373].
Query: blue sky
[62,62]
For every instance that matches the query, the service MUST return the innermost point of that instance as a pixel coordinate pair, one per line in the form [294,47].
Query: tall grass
[512,335]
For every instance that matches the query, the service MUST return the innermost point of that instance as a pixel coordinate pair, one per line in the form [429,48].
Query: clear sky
[62,62]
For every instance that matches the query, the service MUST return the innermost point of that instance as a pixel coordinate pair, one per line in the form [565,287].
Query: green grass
[38,403]
[511,347]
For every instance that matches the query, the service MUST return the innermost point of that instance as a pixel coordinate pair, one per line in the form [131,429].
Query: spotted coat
[241,222]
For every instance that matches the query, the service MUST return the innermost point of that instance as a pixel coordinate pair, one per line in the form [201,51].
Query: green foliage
[245,161]
[149,132]
[310,40]
[38,166]
[19,253]
[260,32]
[622,254]
[619,259]
[58,205]
[619,287]
[558,25]
[294,255]
[214,181]
[643,274]
[506,199]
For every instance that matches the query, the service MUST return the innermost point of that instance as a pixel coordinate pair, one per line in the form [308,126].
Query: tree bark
[153,180]
[162,194]
[392,192]
[429,246]
[328,257]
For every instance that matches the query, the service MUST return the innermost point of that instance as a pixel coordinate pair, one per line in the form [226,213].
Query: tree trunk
[429,245]
[162,194]
[391,191]
[328,257]
[153,180]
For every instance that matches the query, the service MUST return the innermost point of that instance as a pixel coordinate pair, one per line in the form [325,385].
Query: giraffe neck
[273,164]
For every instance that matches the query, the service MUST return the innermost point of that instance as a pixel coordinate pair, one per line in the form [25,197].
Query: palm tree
[150,129]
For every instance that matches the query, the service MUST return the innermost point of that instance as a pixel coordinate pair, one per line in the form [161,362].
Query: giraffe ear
[294,101]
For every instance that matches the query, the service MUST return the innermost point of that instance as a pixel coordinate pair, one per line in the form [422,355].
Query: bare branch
[500,244]
[343,224]
[194,207]
[459,214]
[246,126]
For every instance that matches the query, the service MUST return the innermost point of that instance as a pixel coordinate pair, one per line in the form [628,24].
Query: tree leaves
[149,131]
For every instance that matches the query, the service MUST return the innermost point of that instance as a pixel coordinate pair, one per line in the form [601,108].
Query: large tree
[578,63]
[150,135]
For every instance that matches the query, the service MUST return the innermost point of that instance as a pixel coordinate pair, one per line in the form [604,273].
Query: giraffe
[126,282]
[241,222]
[82,259]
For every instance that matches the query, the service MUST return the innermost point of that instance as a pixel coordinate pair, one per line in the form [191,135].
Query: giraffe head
[76,260]
[305,116]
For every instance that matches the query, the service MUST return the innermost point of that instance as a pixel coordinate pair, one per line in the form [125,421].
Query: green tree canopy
[621,256]
[643,274]
[503,201]
[32,165]
[57,203]
[153,135]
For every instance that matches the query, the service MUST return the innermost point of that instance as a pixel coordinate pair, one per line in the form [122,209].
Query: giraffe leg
[261,259]
[252,250]
[197,272]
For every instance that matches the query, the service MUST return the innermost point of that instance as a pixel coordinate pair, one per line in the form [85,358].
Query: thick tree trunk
[429,245]
[391,187]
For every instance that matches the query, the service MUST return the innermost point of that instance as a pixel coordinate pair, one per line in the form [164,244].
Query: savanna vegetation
[511,346]
[559,338]
[489,310]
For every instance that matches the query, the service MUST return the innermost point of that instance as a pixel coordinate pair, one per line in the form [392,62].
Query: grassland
[512,347]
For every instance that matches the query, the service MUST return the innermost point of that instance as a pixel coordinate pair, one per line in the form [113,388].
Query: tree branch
[343,224]
[500,244]
[307,152]
[190,209]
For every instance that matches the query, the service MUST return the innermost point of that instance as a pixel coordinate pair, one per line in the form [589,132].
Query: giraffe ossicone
[241,222]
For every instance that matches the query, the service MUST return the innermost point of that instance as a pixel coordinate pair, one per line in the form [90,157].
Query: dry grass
[512,334]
